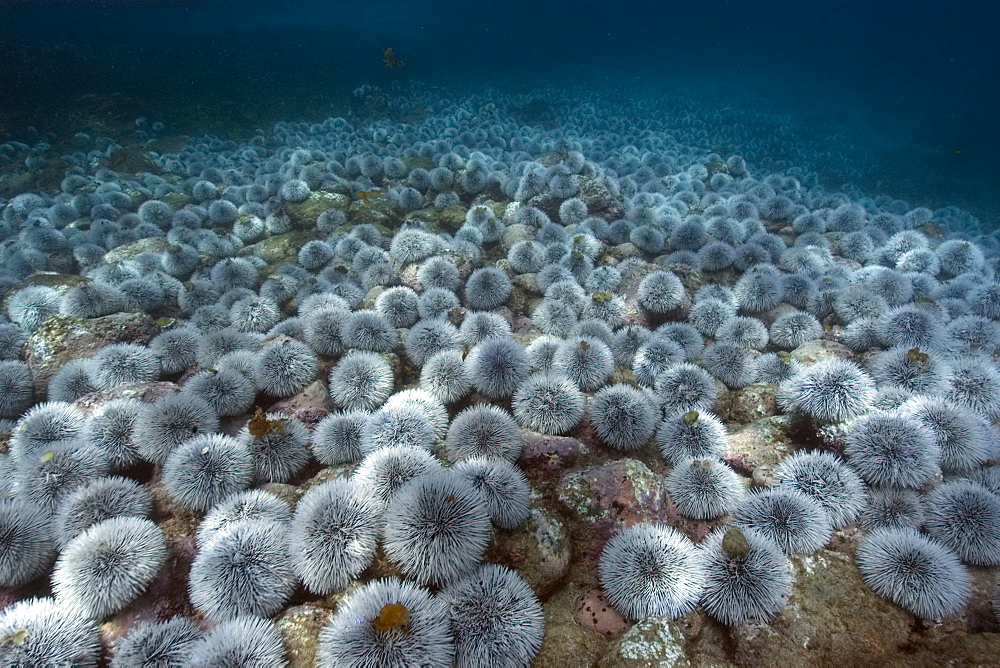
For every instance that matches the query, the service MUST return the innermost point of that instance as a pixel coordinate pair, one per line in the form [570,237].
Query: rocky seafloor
[285,400]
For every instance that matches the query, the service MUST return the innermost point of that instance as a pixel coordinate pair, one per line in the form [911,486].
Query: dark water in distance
[917,79]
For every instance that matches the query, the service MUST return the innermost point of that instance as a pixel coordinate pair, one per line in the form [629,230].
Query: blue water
[911,84]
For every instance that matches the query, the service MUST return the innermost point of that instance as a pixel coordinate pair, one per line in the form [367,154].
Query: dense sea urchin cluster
[402,320]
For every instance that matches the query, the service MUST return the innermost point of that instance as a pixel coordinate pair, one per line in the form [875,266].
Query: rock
[518,300]
[831,614]
[819,350]
[539,550]
[528,283]
[597,613]
[600,201]
[654,642]
[547,204]
[759,446]
[165,597]
[288,493]
[328,473]
[418,161]
[176,200]
[705,640]
[747,404]
[544,458]
[179,524]
[378,211]
[830,436]
[622,251]
[932,229]
[516,232]
[628,289]
[448,219]
[768,317]
[167,594]
[522,325]
[692,279]
[129,251]
[281,248]
[61,283]
[974,649]
[622,375]
[317,203]
[145,392]
[62,338]
[300,626]
[608,498]
[309,405]
[566,642]
[977,615]
[408,274]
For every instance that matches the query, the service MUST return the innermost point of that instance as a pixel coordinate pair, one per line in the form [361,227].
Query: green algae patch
[385,231]
[131,160]
[129,251]
[448,219]
[375,209]
[284,247]
[176,201]
[318,202]
[53,334]
[57,281]
[418,162]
